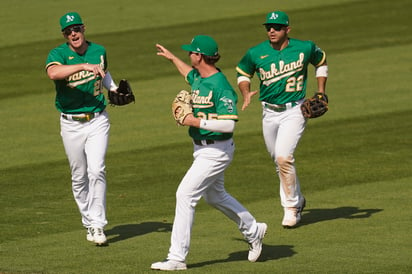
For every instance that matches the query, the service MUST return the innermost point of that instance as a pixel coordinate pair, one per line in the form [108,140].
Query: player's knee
[210,199]
[98,174]
[285,164]
[183,198]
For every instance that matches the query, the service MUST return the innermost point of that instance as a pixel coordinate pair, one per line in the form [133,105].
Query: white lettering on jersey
[202,101]
[84,76]
[284,70]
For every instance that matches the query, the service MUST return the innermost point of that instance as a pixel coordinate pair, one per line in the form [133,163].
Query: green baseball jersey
[213,99]
[282,73]
[80,92]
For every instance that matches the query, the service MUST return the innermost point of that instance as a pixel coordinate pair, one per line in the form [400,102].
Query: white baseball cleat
[169,265]
[292,215]
[96,235]
[255,247]
[89,235]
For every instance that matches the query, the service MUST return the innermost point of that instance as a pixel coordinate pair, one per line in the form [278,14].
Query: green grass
[354,163]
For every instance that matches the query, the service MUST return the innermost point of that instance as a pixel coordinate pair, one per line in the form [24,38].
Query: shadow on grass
[269,253]
[123,232]
[311,216]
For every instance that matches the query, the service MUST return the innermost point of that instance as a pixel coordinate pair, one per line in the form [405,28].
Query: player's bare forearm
[191,121]
[321,72]
[181,66]
[60,72]
[321,84]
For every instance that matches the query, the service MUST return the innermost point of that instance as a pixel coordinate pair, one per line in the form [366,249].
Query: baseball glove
[182,106]
[123,95]
[316,106]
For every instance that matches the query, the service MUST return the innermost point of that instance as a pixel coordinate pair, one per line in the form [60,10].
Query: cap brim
[68,26]
[274,24]
[74,24]
[187,47]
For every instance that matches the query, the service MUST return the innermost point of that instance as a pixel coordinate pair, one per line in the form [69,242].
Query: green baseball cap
[277,17]
[70,18]
[202,44]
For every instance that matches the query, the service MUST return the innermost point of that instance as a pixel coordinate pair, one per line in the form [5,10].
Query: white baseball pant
[85,144]
[205,178]
[282,132]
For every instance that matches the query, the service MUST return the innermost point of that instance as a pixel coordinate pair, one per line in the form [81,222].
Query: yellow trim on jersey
[322,61]
[227,117]
[52,63]
[243,73]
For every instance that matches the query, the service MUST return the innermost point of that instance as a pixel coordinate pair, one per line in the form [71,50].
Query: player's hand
[162,51]
[96,69]
[247,99]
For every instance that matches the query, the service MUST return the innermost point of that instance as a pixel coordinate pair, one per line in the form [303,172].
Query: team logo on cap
[69,18]
[274,16]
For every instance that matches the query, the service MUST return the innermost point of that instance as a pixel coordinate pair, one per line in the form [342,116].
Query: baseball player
[211,128]
[281,64]
[79,71]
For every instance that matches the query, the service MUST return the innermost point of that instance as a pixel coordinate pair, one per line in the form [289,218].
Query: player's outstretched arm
[181,66]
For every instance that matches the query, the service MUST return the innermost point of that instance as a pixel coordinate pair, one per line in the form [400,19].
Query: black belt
[203,142]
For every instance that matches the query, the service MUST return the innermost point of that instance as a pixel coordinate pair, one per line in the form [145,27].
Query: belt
[203,142]
[280,108]
[84,117]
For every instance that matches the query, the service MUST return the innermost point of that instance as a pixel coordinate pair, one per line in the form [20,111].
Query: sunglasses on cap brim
[276,27]
[69,30]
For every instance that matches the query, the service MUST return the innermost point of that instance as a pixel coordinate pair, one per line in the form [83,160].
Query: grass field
[354,163]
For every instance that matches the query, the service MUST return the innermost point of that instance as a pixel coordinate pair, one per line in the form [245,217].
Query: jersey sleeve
[318,56]
[246,66]
[54,58]
[191,76]
[226,101]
